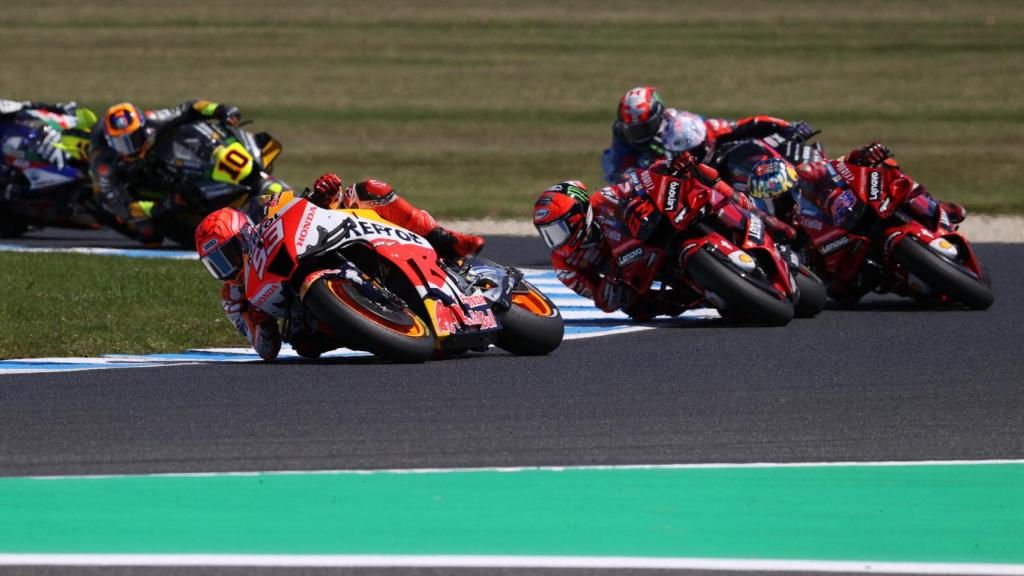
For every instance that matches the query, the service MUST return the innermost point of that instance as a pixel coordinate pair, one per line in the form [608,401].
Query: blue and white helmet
[683,132]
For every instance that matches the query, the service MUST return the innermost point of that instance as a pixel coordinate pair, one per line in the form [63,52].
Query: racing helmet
[124,127]
[685,132]
[563,214]
[770,178]
[640,115]
[221,240]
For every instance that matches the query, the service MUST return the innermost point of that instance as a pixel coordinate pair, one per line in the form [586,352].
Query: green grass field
[78,305]
[473,108]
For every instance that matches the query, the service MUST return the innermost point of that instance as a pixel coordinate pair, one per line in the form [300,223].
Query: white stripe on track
[515,469]
[455,561]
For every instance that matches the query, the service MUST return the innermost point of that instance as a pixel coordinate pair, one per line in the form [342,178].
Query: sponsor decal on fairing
[874,186]
[631,255]
[672,195]
[834,245]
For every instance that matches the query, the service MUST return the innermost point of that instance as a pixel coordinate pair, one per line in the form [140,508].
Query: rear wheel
[365,321]
[943,276]
[813,295]
[533,325]
[739,295]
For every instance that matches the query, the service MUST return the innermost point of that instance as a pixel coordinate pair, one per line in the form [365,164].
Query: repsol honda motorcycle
[367,284]
[44,173]
[707,250]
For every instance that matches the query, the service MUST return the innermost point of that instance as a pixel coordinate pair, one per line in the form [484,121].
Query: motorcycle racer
[773,179]
[646,131]
[119,145]
[29,114]
[223,239]
[384,199]
[583,229]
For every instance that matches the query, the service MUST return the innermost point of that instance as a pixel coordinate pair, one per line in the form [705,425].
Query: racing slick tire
[387,331]
[739,294]
[813,294]
[533,326]
[942,275]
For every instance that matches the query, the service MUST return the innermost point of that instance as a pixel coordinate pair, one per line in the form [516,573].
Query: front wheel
[384,326]
[813,294]
[738,294]
[533,326]
[941,275]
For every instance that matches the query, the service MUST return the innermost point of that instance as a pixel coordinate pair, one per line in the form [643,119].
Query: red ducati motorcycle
[706,250]
[874,234]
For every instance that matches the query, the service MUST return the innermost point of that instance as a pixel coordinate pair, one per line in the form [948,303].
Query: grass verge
[75,305]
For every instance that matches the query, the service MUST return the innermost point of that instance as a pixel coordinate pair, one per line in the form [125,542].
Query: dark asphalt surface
[886,380]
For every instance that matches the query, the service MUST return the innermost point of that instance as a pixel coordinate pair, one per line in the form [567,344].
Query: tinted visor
[555,234]
[642,132]
[127,144]
[225,261]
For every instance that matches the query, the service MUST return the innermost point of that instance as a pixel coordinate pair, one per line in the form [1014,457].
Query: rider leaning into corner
[14,112]
[639,138]
[118,147]
[821,198]
[223,239]
[583,229]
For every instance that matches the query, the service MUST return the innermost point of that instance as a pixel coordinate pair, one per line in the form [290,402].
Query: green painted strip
[933,513]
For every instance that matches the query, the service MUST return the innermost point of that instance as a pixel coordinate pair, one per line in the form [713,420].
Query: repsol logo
[875,186]
[630,256]
[352,227]
[835,245]
[672,196]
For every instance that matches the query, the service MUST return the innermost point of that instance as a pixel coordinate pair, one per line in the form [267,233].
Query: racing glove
[640,215]
[800,131]
[327,191]
[871,156]
[227,114]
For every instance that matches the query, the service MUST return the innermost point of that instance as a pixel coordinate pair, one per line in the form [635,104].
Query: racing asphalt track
[883,381]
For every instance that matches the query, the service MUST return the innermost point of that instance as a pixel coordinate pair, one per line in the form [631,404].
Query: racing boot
[450,244]
[141,224]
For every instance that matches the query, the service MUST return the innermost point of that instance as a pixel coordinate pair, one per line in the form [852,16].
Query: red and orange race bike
[368,284]
[706,250]
[872,233]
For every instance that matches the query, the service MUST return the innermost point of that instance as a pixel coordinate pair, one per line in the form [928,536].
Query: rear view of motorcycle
[362,282]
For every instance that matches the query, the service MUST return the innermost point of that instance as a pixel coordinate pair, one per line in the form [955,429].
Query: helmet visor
[555,234]
[641,132]
[127,144]
[225,261]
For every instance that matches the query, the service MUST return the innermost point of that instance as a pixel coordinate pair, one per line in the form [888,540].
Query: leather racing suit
[621,158]
[113,175]
[263,331]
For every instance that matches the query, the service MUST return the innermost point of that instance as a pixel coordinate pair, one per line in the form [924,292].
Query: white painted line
[455,561]
[516,469]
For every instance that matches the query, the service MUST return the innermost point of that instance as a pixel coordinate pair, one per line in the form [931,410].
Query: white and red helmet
[640,115]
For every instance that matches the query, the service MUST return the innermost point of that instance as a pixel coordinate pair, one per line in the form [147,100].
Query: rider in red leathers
[583,230]
[223,238]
